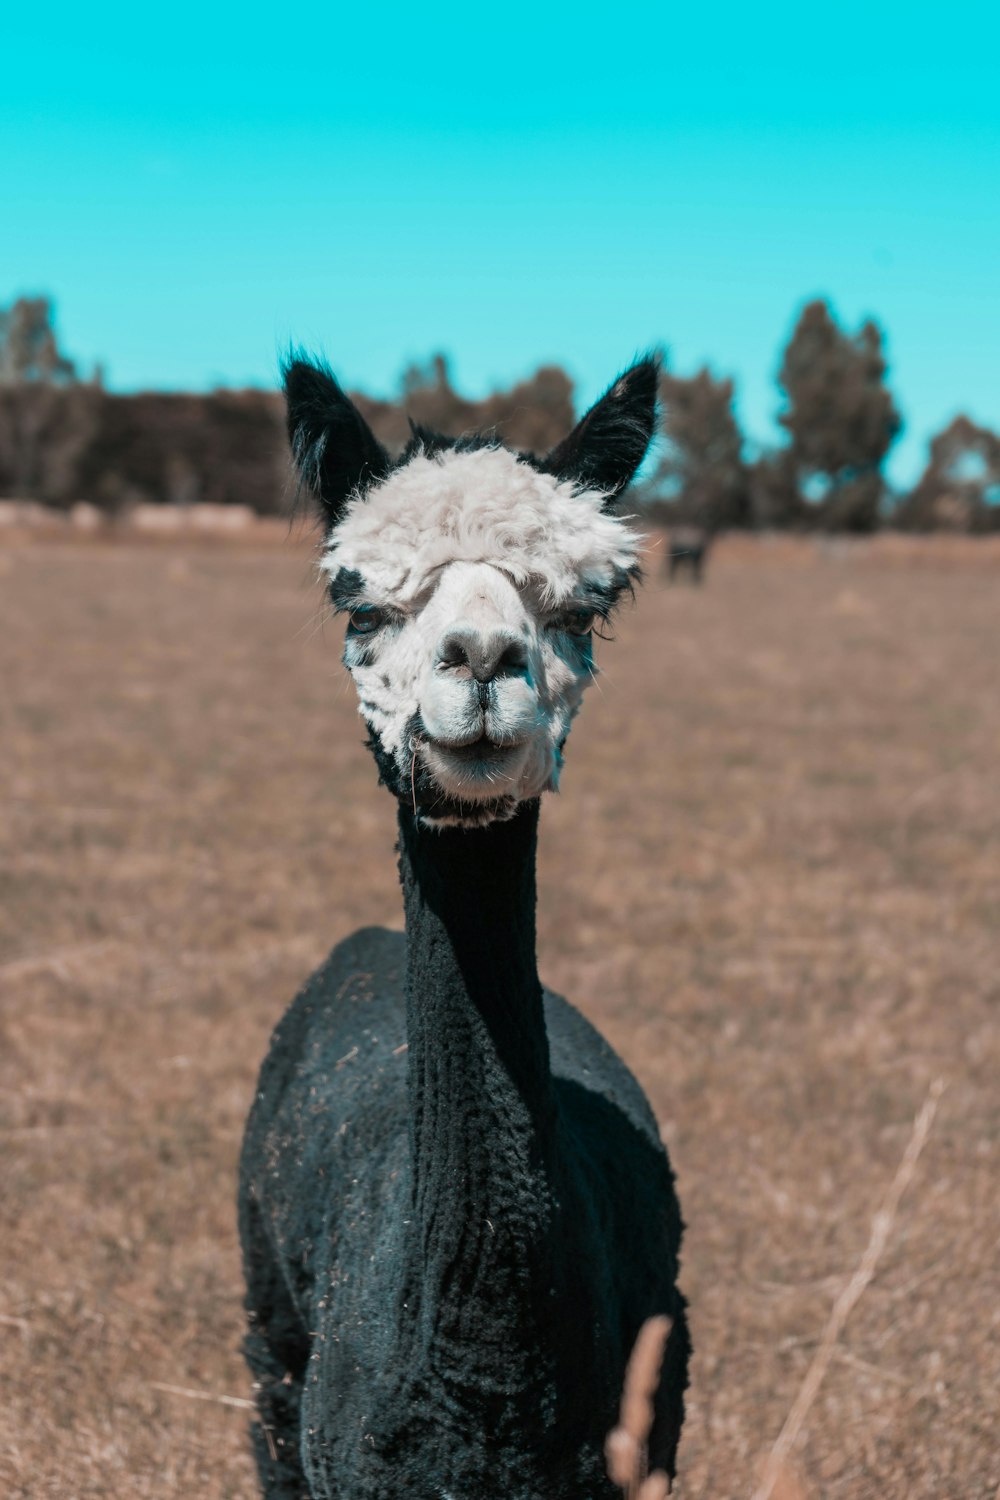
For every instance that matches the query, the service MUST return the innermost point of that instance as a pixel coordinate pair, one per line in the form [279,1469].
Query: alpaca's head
[472,579]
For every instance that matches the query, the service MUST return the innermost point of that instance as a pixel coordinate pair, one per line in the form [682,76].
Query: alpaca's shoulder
[329,1105]
[359,986]
[344,1033]
[338,1051]
[581,1056]
[362,967]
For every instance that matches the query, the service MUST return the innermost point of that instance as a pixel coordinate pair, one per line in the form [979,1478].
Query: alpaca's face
[471,584]
[471,578]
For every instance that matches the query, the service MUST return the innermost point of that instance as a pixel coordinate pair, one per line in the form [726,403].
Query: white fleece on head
[483,506]
[484,544]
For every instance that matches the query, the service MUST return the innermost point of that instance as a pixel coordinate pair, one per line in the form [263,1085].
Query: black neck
[481,1109]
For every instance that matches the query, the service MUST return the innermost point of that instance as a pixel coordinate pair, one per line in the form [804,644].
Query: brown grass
[775,1470]
[773,879]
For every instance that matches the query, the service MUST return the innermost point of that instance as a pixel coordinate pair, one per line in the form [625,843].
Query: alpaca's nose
[482,654]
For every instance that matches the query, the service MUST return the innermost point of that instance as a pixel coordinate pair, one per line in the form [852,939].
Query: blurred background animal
[687,548]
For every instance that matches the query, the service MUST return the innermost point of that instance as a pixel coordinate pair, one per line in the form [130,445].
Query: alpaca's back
[325,1188]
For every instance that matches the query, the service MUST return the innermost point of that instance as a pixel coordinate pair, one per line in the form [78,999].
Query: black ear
[334,449]
[607,446]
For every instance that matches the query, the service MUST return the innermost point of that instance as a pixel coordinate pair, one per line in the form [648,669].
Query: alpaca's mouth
[482,750]
[480,768]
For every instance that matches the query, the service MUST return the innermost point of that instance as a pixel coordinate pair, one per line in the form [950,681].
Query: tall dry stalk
[627,1446]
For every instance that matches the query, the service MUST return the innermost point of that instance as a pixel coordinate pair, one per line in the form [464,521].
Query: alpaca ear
[334,450]
[607,446]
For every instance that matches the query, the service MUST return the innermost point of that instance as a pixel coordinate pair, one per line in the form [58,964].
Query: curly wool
[481,506]
[456,1209]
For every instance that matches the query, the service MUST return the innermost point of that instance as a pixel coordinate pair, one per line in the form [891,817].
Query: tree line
[65,438]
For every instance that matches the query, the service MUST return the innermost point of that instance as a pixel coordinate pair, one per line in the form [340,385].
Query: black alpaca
[687,547]
[455,1208]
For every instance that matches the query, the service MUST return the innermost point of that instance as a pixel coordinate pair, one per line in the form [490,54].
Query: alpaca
[455,1208]
[687,546]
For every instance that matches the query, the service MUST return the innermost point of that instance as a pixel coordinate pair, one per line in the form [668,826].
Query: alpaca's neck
[481,1105]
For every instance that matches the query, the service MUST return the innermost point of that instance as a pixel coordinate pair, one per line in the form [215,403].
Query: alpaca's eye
[578,621]
[365,619]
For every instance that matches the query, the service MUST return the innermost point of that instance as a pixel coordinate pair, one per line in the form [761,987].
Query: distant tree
[29,350]
[168,448]
[430,399]
[840,417]
[701,479]
[47,416]
[960,488]
[533,415]
[776,502]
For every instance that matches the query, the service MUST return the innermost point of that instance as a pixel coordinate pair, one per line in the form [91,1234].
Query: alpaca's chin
[480,772]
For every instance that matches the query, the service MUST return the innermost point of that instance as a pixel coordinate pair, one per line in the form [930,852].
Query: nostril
[453,652]
[513,659]
[482,656]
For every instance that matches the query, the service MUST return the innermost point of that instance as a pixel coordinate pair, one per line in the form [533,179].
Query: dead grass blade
[627,1446]
[180,1390]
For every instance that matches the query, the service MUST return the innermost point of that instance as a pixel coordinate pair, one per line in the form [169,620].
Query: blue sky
[197,186]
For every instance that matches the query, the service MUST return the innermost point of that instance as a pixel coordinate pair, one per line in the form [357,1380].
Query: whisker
[313,625]
[601,675]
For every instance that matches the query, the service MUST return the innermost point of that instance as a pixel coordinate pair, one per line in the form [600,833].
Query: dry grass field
[772,878]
